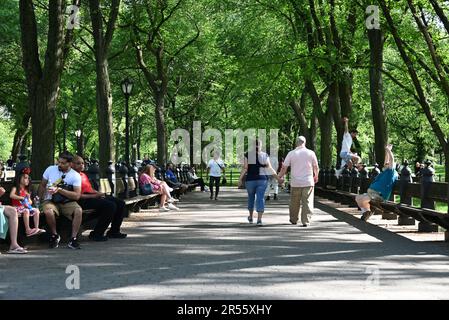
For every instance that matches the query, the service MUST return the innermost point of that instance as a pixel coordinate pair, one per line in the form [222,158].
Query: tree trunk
[334,112]
[161,133]
[22,132]
[326,141]
[376,42]
[43,81]
[313,132]
[103,93]
[104,116]
[43,120]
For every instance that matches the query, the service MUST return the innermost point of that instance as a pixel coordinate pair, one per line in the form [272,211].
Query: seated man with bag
[61,188]
[110,209]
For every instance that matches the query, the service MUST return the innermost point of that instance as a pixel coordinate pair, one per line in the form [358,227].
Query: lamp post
[64,116]
[127,86]
[78,142]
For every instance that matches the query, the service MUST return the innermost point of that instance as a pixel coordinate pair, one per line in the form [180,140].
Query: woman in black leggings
[215,169]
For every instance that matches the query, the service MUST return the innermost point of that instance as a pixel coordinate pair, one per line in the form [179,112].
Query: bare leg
[36,218]
[163,200]
[26,220]
[13,220]
[51,220]
[363,201]
[76,223]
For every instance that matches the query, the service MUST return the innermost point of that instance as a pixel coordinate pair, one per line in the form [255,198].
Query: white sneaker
[172,206]
[163,209]
[171,200]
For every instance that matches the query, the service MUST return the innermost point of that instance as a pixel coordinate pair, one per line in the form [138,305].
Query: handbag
[224,181]
[59,198]
[146,189]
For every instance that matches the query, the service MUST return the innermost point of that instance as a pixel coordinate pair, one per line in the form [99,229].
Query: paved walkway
[208,251]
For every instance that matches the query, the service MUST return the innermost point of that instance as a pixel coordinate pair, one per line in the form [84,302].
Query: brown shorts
[66,209]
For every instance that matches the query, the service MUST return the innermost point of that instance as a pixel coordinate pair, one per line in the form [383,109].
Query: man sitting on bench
[381,188]
[110,209]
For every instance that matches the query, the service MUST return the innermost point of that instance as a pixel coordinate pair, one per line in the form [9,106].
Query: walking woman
[215,169]
[255,170]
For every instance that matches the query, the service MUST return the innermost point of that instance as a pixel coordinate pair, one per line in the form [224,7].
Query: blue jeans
[256,192]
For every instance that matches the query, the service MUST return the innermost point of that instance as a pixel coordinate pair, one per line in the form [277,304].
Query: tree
[102,42]
[43,80]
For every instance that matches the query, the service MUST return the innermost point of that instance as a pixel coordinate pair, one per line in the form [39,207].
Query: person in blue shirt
[172,181]
[382,186]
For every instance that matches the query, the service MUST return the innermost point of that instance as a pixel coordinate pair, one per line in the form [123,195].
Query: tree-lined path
[209,251]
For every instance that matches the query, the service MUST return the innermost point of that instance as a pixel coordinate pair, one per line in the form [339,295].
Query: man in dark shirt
[110,209]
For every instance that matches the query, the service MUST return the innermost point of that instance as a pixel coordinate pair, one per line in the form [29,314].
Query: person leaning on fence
[111,210]
[304,176]
[9,222]
[255,168]
[382,186]
[61,189]
[346,145]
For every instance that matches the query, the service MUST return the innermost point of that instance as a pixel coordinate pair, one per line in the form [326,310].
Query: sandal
[18,250]
[33,232]
[39,231]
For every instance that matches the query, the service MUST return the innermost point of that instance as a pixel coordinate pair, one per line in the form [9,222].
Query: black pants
[213,180]
[109,209]
[200,182]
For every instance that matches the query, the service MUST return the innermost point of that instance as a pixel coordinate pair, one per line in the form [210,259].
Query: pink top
[146,179]
[301,160]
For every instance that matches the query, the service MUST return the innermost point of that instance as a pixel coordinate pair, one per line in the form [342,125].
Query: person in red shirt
[21,199]
[111,210]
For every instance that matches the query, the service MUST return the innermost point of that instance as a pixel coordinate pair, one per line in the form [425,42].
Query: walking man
[304,176]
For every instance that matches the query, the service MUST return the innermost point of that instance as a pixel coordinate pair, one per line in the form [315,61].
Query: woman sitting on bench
[9,220]
[148,180]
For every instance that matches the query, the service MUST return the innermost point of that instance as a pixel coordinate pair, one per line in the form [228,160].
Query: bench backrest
[105,187]
[131,184]
[9,175]
[119,185]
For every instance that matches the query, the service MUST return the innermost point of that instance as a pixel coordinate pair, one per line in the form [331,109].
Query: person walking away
[256,180]
[304,176]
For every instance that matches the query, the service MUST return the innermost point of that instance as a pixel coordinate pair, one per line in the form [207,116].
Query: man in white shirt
[304,176]
[345,153]
[61,188]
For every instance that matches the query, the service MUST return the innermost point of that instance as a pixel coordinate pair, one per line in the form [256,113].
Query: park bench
[345,188]
[90,218]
